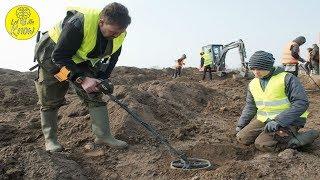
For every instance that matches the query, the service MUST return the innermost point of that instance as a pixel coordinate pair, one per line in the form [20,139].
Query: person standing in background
[206,63]
[314,58]
[291,55]
[179,63]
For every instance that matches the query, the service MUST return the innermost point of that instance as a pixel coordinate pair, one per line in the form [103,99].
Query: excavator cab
[218,53]
[215,51]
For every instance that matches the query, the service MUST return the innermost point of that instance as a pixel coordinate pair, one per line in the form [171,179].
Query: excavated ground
[197,117]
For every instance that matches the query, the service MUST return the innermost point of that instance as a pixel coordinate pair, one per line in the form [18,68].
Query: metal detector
[184,162]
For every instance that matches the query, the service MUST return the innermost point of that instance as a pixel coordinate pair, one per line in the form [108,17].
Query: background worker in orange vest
[291,57]
[179,64]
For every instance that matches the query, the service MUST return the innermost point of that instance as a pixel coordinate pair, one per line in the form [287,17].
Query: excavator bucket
[243,74]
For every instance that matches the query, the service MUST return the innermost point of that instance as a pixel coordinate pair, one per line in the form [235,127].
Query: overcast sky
[162,30]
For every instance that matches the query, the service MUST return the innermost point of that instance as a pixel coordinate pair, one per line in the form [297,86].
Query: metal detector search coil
[191,164]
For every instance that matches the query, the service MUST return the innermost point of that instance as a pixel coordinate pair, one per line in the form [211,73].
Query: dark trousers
[308,67]
[315,66]
[177,72]
[205,70]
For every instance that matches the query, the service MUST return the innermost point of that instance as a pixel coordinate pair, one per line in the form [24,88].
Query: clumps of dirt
[263,166]
[308,83]
[7,133]
[134,76]
[40,164]
[186,132]
[196,117]
[17,90]
[227,101]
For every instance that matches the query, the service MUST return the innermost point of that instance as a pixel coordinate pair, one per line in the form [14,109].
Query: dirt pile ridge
[197,117]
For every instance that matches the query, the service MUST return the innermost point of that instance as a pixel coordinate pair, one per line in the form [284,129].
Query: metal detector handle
[149,128]
[38,36]
[34,60]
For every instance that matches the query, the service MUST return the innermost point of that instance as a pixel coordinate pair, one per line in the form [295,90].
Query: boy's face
[258,73]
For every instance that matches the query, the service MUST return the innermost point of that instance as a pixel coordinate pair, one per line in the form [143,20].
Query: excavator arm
[219,52]
[242,51]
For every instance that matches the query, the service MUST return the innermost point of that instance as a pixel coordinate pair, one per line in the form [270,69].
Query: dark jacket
[202,62]
[296,95]
[314,55]
[70,41]
[295,49]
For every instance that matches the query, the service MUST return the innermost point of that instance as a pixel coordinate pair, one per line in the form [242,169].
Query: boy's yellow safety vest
[273,100]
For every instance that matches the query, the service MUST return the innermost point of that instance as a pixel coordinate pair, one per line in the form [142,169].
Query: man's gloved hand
[106,86]
[89,84]
[271,126]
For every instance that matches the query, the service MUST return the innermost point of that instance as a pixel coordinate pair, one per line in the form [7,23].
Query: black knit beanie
[261,60]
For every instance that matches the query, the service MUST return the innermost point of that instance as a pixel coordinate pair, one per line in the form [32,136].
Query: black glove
[271,126]
[106,87]
[311,66]
[306,64]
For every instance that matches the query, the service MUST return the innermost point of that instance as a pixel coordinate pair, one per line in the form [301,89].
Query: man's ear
[101,21]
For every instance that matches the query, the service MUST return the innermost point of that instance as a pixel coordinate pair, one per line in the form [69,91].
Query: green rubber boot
[302,139]
[100,127]
[49,128]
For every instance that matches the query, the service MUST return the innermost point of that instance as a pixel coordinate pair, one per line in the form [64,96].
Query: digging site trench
[197,117]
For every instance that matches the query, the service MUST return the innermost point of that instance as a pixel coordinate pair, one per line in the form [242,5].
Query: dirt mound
[197,117]
[310,84]
[17,90]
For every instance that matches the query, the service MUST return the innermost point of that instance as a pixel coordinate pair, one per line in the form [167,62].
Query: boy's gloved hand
[271,126]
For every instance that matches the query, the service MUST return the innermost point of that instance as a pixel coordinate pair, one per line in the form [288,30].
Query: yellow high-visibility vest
[90,28]
[207,59]
[273,100]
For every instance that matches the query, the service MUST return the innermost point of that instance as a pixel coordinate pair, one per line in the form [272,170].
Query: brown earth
[196,117]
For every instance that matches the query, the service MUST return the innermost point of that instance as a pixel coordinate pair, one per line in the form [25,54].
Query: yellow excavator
[218,53]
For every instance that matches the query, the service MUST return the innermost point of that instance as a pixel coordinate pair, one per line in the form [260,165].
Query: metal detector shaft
[309,76]
[149,128]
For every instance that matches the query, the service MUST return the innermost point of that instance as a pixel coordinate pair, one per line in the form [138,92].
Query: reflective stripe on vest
[207,59]
[287,58]
[91,24]
[273,100]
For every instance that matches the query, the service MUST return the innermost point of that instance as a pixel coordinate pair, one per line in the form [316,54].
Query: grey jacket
[296,95]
